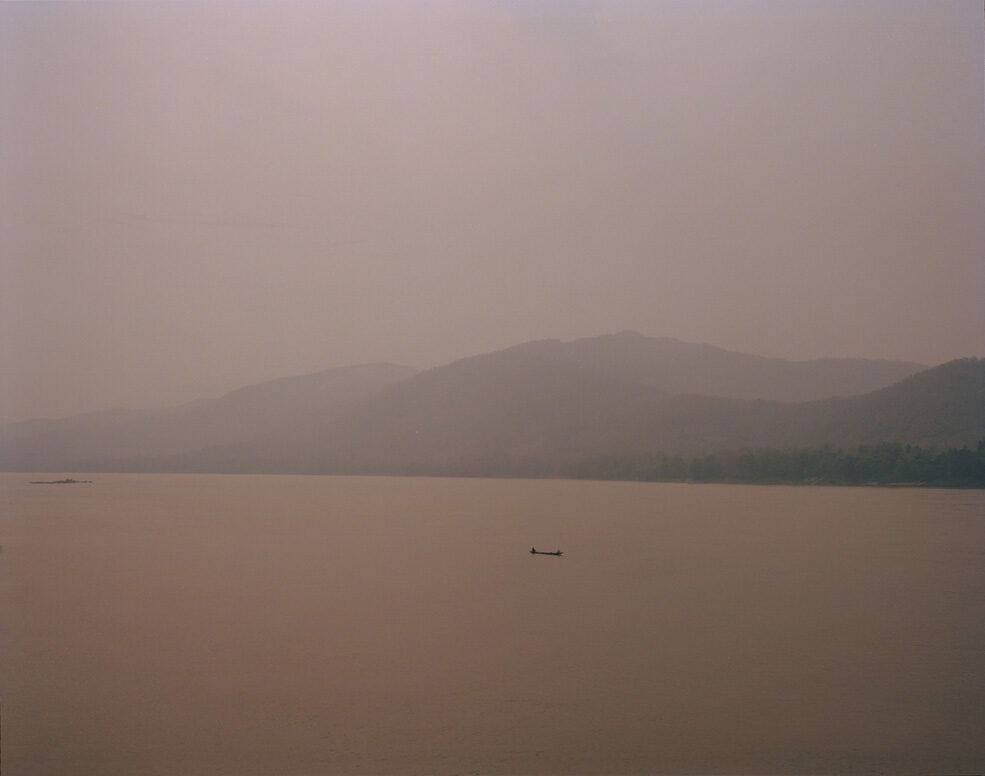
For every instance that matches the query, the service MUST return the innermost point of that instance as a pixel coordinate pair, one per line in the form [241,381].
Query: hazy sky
[201,196]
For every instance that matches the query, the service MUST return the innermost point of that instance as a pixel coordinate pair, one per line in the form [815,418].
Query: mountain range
[531,409]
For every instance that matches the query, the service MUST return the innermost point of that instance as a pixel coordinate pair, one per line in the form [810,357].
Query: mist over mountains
[133,439]
[527,410]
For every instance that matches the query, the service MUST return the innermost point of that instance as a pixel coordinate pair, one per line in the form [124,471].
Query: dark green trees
[888,463]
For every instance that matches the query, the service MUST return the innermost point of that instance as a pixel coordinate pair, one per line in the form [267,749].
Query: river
[248,625]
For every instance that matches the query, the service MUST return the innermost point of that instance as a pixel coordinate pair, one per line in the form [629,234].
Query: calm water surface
[289,626]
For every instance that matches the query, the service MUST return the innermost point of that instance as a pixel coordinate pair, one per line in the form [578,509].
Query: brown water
[288,626]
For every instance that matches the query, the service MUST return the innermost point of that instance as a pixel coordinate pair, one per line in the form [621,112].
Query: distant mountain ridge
[680,367]
[529,409]
[123,438]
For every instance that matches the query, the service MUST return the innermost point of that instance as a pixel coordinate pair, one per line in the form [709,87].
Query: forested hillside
[541,408]
[526,411]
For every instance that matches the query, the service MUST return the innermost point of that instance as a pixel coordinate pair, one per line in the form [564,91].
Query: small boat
[66,481]
[535,551]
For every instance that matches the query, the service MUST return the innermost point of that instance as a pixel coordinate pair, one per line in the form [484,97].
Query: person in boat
[533,550]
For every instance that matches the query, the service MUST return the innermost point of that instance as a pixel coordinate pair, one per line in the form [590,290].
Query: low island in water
[66,481]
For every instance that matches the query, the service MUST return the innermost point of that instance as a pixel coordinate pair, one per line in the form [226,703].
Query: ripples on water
[173,624]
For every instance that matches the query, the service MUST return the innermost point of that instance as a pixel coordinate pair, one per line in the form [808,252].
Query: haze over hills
[530,409]
[682,367]
[124,437]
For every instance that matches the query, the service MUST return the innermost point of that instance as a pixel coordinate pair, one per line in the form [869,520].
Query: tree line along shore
[888,463]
